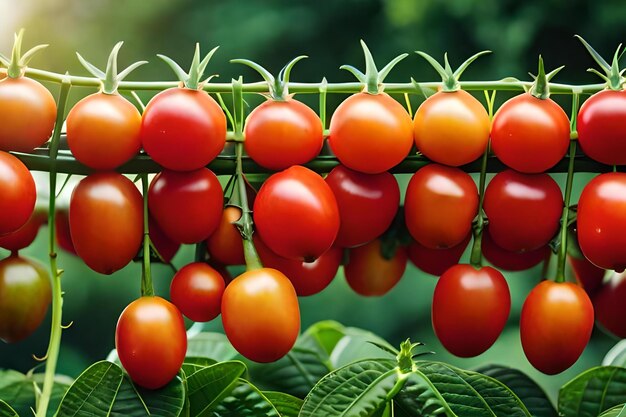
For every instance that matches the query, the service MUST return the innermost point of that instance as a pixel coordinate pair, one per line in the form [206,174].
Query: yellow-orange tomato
[225,245]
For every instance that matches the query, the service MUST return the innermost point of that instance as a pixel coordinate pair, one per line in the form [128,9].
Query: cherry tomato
[609,306]
[470,309]
[555,326]
[27,114]
[369,273]
[186,205]
[524,210]
[25,235]
[18,192]
[589,276]
[151,341]
[296,214]
[370,133]
[601,133]
[280,134]
[440,205]
[451,128]
[530,134]
[511,261]
[166,247]
[260,314]
[367,204]
[106,221]
[225,245]
[103,131]
[63,235]
[197,291]
[25,296]
[183,129]
[436,261]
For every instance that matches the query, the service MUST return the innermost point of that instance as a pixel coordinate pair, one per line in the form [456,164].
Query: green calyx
[110,78]
[450,78]
[278,86]
[612,74]
[373,78]
[18,62]
[192,79]
[541,86]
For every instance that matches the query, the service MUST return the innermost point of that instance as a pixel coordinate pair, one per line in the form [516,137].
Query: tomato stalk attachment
[192,78]
[613,76]
[278,86]
[18,62]
[449,78]
[147,288]
[541,87]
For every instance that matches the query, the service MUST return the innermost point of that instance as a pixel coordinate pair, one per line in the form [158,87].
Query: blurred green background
[272,32]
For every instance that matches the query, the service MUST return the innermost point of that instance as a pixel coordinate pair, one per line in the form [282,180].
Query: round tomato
[27,114]
[103,131]
[197,291]
[26,234]
[63,235]
[296,214]
[261,315]
[436,261]
[511,261]
[524,210]
[530,134]
[225,245]
[589,276]
[367,204]
[470,309]
[451,128]
[151,341]
[18,192]
[609,306]
[370,133]
[440,205]
[106,221]
[369,273]
[166,247]
[555,326]
[186,205]
[25,295]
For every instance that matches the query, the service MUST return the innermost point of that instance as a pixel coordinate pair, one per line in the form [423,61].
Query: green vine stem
[323,90]
[18,62]
[147,288]
[541,87]
[476,257]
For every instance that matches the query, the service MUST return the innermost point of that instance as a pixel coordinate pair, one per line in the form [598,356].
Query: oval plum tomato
[609,306]
[436,261]
[280,134]
[530,134]
[197,291]
[451,128]
[524,210]
[589,276]
[63,235]
[260,314]
[186,205]
[25,295]
[18,192]
[225,245]
[601,221]
[166,247]
[183,129]
[367,204]
[25,235]
[103,131]
[369,273]
[555,326]
[511,261]
[27,114]
[370,133]
[151,341]
[470,309]
[440,205]
[601,131]
[106,221]
[296,214]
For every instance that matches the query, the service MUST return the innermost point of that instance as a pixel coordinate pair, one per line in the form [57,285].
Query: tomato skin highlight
[151,341]
[261,315]
[25,235]
[370,133]
[436,261]
[106,221]
[103,131]
[183,129]
[17,188]
[451,128]
[27,114]
[197,290]
[511,261]
[555,325]
[609,306]
[225,245]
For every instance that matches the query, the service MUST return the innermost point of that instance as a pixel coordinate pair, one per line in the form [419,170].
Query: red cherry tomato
[367,204]
[436,261]
[25,235]
[151,341]
[106,221]
[27,114]
[440,205]
[370,133]
[524,210]
[451,128]
[555,326]
[225,245]
[260,314]
[609,306]
[601,131]
[197,291]
[530,134]
[183,129]
[25,296]
[589,276]
[511,261]
[18,192]
[166,247]
[186,205]
[296,214]
[63,235]
[103,131]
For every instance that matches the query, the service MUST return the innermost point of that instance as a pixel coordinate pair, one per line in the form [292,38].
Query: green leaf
[135,401]
[193,365]
[18,390]
[354,346]
[617,411]
[6,410]
[593,392]
[210,385]
[616,356]
[211,345]
[323,334]
[246,400]
[286,405]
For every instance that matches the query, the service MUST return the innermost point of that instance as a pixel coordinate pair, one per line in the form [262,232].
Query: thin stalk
[476,257]
[147,288]
[245,223]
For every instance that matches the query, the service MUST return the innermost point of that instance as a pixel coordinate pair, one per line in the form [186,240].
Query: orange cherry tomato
[197,291]
[225,245]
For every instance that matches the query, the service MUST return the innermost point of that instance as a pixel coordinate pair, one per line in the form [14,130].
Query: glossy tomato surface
[589,276]
[18,192]
[436,261]
[511,261]
[370,133]
[63,234]
[25,235]
[609,305]
[197,291]
[225,245]
[166,247]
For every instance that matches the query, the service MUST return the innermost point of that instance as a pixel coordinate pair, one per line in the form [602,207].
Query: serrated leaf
[193,365]
[616,356]
[593,392]
[135,401]
[210,385]
[6,410]
[211,345]
[246,400]
[617,411]
[286,405]
[18,390]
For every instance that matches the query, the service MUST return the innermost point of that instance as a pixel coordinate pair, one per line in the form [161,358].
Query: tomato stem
[476,257]
[147,288]
[541,87]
